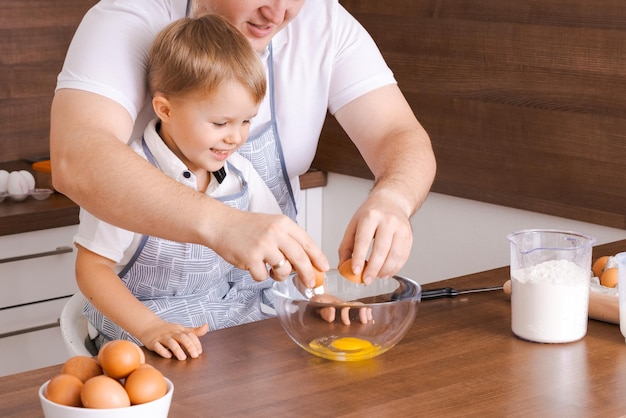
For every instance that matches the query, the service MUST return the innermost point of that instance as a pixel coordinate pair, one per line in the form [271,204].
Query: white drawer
[31,351]
[32,316]
[37,266]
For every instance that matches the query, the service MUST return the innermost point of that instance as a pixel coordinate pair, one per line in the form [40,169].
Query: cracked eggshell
[4,181]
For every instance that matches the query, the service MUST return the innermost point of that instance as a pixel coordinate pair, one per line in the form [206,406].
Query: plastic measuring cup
[550,273]
[621,284]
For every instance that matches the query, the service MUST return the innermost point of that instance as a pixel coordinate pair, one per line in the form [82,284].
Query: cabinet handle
[59,250]
[31,329]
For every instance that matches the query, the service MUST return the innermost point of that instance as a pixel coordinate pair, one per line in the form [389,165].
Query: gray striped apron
[186,284]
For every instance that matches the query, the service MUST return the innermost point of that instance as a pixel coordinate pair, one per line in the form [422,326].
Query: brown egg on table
[145,384]
[609,277]
[83,367]
[65,389]
[118,358]
[103,392]
[345,269]
[599,265]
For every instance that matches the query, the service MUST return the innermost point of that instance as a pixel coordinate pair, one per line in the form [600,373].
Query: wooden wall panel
[525,101]
[35,35]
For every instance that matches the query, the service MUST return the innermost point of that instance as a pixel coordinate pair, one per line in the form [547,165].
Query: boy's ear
[161,107]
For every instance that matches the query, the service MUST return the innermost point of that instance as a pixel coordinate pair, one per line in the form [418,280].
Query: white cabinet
[36,279]
[32,350]
[310,213]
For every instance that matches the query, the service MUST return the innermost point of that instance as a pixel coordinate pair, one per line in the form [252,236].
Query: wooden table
[459,359]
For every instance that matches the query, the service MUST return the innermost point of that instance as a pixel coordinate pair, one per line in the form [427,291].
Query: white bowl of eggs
[116,384]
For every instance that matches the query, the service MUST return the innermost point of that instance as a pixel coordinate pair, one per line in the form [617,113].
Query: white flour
[550,301]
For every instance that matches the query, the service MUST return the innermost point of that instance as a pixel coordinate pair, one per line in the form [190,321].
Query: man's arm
[94,167]
[398,151]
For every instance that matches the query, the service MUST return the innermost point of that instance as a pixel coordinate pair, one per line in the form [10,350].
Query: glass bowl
[345,321]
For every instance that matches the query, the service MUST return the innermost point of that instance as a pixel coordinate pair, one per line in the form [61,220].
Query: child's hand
[328,314]
[167,339]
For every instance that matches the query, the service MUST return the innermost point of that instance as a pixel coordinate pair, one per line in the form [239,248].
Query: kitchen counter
[458,359]
[34,215]
[58,210]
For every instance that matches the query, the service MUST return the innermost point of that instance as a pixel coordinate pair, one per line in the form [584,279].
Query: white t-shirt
[323,60]
[119,245]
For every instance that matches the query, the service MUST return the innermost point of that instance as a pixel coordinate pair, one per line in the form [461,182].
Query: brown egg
[142,355]
[145,384]
[345,269]
[101,352]
[598,265]
[119,358]
[609,278]
[103,392]
[64,389]
[320,277]
[83,367]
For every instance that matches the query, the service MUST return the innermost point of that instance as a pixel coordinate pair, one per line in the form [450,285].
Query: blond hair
[195,55]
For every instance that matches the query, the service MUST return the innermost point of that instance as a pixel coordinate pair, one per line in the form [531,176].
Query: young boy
[206,83]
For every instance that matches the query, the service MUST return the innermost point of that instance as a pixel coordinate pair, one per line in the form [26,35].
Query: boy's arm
[100,284]
[94,167]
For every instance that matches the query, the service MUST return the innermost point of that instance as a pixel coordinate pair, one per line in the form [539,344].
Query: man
[318,58]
